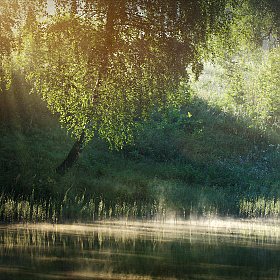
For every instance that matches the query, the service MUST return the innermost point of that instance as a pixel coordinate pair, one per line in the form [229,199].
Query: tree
[14,14]
[268,14]
[252,23]
[103,65]
[8,20]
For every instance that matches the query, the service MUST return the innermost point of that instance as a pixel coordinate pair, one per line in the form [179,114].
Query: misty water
[194,249]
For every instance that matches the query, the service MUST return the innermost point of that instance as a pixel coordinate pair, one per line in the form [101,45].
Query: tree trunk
[78,146]
[73,155]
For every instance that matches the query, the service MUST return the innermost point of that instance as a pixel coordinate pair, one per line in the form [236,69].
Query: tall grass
[96,209]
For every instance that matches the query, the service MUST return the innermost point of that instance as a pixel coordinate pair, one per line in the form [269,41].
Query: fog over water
[195,249]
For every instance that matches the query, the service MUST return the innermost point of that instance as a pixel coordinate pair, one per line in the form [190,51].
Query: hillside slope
[196,159]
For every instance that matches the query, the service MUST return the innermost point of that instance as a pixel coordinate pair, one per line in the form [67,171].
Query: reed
[79,210]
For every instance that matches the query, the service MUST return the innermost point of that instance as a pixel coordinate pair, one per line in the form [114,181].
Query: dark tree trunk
[73,155]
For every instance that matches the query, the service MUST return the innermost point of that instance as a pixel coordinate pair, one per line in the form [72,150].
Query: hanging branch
[78,146]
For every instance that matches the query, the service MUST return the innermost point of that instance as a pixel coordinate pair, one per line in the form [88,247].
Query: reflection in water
[189,250]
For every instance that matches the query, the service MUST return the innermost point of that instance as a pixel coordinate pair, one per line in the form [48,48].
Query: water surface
[206,249]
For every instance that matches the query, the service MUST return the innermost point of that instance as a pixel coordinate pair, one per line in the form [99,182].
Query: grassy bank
[199,159]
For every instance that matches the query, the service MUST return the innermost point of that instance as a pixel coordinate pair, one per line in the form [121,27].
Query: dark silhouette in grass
[73,155]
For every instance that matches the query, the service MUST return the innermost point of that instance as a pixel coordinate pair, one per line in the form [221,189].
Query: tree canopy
[252,23]
[104,64]
[15,16]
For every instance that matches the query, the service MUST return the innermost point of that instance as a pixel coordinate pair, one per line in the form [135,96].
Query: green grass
[207,158]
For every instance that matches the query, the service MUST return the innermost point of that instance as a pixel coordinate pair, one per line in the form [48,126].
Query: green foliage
[248,69]
[161,136]
[269,85]
[249,88]
[105,64]
[15,15]
[251,22]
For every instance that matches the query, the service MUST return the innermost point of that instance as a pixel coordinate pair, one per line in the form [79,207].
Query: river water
[200,249]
